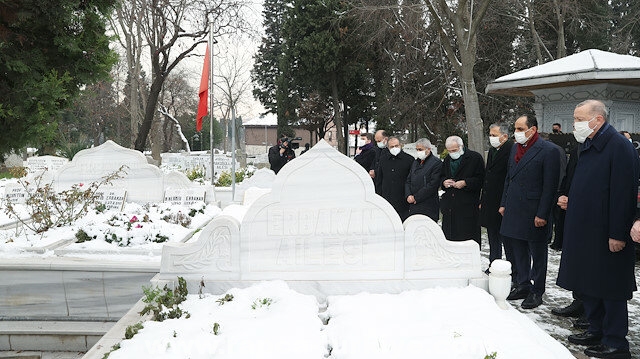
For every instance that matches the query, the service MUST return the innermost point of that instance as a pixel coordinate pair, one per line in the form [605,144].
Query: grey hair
[504,127]
[451,139]
[423,142]
[596,107]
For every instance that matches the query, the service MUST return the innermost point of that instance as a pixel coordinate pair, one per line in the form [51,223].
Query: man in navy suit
[529,195]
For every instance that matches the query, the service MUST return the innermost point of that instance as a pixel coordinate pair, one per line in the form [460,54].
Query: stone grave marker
[324,238]
[112,198]
[50,163]
[15,193]
[184,196]
[143,182]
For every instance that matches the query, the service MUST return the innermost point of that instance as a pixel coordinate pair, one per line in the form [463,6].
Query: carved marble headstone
[322,224]
[262,178]
[143,182]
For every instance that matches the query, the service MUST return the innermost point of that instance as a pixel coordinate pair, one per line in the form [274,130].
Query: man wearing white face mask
[530,190]
[461,179]
[391,176]
[421,188]
[495,172]
[366,155]
[380,139]
[598,255]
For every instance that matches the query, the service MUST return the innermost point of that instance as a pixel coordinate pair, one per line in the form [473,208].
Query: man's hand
[539,222]
[282,149]
[448,183]
[372,173]
[460,184]
[616,245]
[635,231]
[411,199]
[563,201]
[501,211]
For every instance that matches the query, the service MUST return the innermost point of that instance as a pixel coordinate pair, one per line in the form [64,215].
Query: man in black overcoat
[423,181]
[598,255]
[280,154]
[495,172]
[391,176]
[366,155]
[381,138]
[530,190]
[461,179]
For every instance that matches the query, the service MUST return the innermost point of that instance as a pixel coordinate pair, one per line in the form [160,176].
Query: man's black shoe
[575,309]
[585,338]
[607,352]
[518,293]
[581,323]
[533,300]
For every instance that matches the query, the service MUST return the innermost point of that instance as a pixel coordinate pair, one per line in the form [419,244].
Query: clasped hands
[449,183]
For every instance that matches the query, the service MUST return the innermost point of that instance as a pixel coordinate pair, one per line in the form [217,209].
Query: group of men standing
[515,195]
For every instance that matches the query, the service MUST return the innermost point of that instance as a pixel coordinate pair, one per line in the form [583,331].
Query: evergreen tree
[49,49]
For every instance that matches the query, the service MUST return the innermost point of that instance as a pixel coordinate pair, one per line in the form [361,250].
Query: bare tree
[458,27]
[126,24]
[232,80]
[316,115]
[172,30]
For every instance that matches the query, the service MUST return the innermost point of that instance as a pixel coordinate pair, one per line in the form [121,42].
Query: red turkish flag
[204,92]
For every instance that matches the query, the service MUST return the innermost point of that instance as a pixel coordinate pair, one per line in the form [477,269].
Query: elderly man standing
[461,180]
[391,176]
[530,189]
[598,254]
[495,172]
[421,189]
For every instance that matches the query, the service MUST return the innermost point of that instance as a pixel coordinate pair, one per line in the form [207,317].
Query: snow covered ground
[436,323]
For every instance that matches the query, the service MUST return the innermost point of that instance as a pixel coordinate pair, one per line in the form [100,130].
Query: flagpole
[211,98]
[233,152]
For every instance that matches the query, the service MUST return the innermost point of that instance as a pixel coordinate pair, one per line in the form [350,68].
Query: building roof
[586,67]
[269,119]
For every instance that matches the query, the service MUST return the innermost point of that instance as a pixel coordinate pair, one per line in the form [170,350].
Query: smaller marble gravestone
[15,193]
[50,163]
[184,196]
[112,199]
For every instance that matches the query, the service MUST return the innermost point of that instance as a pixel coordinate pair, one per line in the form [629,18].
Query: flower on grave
[81,184]
[133,219]
[138,225]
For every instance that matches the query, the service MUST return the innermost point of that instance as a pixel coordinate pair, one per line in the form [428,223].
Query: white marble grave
[262,178]
[323,229]
[143,182]
[185,161]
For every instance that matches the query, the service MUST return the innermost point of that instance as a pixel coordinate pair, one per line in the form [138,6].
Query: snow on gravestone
[323,222]
[143,182]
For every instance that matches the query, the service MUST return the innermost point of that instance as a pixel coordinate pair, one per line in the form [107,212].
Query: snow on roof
[269,119]
[584,67]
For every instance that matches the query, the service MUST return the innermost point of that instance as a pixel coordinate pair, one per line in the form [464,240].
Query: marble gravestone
[323,229]
[143,182]
[42,163]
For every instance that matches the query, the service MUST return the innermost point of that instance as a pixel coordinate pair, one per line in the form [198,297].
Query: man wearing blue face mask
[598,255]
[462,178]
[530,189]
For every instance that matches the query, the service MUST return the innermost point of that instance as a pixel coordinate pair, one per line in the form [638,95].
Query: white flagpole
[233,152]
[211,98]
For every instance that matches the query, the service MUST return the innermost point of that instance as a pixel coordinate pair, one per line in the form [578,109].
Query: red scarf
[521,150]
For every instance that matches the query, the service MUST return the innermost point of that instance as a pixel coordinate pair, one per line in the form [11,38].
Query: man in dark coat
[280,154]
[423,181]
[461,179]
[391,176]
[381,138]
[495,172]
[598,254]
[530,190]
[366,155]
